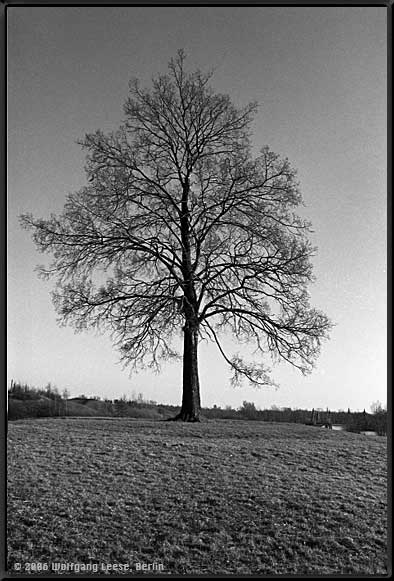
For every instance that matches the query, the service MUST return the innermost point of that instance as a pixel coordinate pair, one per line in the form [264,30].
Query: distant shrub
[80,410]
[20,409]
[144,413]
[363,422]
[249,411]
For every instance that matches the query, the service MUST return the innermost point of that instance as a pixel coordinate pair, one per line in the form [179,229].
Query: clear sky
[320,76]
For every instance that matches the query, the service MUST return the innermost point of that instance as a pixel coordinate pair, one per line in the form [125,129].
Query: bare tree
[65,395]
[378,408]
[179,228]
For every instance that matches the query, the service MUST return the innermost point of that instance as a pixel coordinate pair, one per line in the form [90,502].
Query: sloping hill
[44,407]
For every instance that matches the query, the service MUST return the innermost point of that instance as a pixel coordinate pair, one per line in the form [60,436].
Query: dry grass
[216,497]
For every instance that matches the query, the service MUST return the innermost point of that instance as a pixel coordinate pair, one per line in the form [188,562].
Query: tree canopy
[181,229]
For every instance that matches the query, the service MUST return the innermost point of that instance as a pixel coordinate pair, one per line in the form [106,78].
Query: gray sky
[319,74]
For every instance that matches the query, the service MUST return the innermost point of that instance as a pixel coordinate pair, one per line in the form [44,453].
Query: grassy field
[217,497]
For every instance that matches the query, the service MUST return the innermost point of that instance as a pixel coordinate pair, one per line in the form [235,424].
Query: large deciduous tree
[180,228]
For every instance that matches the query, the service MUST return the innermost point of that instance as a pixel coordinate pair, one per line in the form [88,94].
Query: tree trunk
[190,411]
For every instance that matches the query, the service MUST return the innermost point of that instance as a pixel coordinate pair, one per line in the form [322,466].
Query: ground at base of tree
[212,498]
[184,417]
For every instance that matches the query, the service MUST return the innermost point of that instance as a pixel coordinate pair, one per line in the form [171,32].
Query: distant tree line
[26,401]
[25,391]
[351,421]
